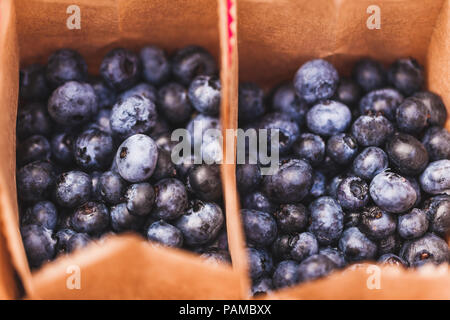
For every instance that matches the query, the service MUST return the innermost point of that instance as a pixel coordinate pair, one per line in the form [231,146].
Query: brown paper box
[123,267]
[275,38]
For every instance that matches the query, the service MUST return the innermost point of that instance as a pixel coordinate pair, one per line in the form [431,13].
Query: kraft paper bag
[125,266]
[259,40]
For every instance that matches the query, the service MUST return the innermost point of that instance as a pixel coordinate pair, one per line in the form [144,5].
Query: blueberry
[356,246]
[328,118]
[155,65]
[437,142]
[436,108]
[392,259]
[428,249]
[78,241]
[406,154]
[112,187]
[133,115]
[174,104]
[120,69]
[39,244]
[406,75]
[258,201]
[35,180]
[43,213]
[73,188]
[314,267]
[412,115]
[95,182]
[353,193]
[102,121]
[216,256]
[290,183]
[261,286]
[288,130]
[73,103]
[142,89]
[281,247]
[390,244]
[310,147]
[435,178]
[291,218]
[316,80]
[413,224]
[161,126]
[33,84]
[369,74]
[185,165]
[65,65]
[372,130]
[62,239]
[334,255]
[93,150]
[415,184]
[351,219]
[62,148]
[348,92]
[319,186]
[204,122]
[376,223]
[106,96]
[171,199]
[286,274]
[201,223]
[92,218]
[333,185]
[192,61]
[140,198]
[260,227]
[33,118]
[251,102]
[342,148]
[204,180]
[437,209]
[248,177]
[123,220]
[327,220]
[165,168]
[285,100]
[381,102]
[204,94]
[370,162]
[32,149]
[164,142]
[303,245]
[136,158]
[220,242]
[392,192]
[260,262]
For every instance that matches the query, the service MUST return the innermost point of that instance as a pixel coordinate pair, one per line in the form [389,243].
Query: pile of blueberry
[94,153]
[364,173]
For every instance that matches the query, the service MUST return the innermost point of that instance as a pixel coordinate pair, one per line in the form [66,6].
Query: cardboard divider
[9,78]
[228,115]
[369,282]
[124,267]
[277,37]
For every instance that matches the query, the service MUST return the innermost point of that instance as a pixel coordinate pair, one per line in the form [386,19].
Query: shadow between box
[276,37]
[125,266]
